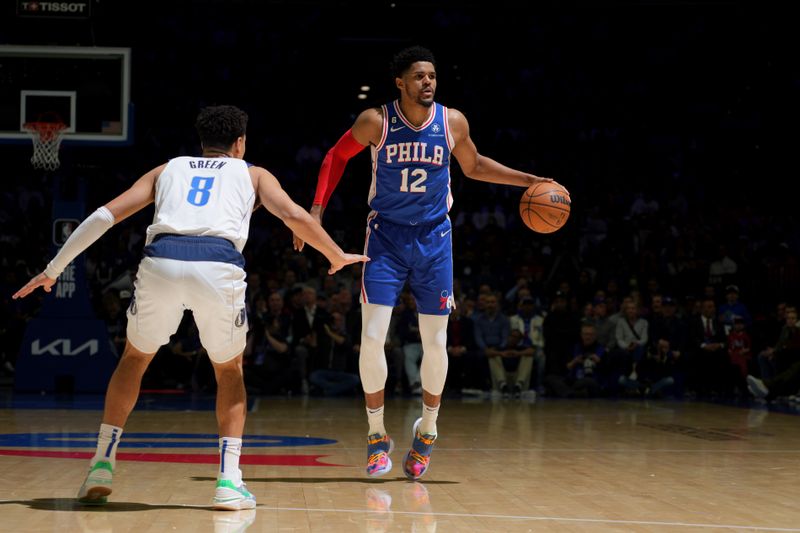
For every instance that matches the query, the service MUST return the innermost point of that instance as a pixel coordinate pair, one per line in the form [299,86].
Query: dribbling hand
[551,180]
[39,280]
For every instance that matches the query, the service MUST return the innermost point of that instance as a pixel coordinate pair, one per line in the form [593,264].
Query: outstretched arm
[298,220]
[367,130]
[333,167]
[140,195]
[479,167]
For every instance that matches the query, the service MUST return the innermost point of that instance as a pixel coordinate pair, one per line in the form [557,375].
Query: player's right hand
[39,280]
[344,260]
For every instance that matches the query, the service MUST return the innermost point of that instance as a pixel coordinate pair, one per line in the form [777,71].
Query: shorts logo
[446,300]
[241,318]
[132,309]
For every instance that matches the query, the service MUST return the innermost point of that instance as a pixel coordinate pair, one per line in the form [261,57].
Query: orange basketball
[545,207]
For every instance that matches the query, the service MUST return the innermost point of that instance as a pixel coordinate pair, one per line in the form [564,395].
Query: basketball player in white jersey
[192,260]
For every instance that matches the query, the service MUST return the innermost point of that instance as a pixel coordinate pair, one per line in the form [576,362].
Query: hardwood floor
[552,465]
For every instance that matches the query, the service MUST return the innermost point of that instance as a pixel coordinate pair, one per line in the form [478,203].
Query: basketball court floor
[552,465]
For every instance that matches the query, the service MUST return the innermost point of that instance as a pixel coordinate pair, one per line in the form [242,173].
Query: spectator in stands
[767,329]
[733,308]
[658,370]
[632,336]
[739,352]
[669,326]
[309,339]
[337,370]
[708,367]
[775,359]
[561,329]
[492,329]
[465,367]
[722,269]
[580,377]
[602,322]
[530,321]
[270,365]
[513,365]
[784,384]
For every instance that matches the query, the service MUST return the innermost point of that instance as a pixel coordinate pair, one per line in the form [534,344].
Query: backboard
[87,88]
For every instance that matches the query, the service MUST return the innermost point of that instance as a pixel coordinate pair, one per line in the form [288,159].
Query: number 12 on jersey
[416,186]
[200,191]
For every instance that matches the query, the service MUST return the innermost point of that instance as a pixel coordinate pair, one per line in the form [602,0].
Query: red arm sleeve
[333,166]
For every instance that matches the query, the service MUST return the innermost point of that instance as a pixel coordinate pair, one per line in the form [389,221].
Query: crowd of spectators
[672,275]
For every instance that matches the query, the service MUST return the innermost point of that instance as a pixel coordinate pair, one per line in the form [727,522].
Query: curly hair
[403,59]
[219,126]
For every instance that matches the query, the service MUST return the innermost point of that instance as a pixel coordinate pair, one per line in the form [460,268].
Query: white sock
[107,442]
[429,415]
[230,449]
[375,419]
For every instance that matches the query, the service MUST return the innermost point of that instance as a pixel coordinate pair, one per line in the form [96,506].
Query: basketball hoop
[46,141]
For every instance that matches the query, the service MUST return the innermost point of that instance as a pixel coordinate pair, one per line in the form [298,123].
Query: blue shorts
[421,255]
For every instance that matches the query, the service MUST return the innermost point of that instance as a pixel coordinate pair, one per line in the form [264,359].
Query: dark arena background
[673,125]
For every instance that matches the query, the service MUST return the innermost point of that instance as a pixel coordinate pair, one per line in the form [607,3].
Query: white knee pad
[433,370]
[372,359]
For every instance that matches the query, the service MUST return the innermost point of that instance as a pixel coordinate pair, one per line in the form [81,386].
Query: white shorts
[213,291]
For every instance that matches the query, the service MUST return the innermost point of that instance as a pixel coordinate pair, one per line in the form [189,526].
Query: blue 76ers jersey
[411,168]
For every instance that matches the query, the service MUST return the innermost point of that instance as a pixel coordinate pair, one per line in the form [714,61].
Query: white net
[46,138]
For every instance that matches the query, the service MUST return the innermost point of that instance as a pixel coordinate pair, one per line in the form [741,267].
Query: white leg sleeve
[372,360]
[433,371]
[84,235]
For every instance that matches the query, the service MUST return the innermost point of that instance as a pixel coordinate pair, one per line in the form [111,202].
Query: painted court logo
[54,444]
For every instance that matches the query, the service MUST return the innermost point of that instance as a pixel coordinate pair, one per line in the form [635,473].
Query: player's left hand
[37,281]
[346,259]
[316,214]
[297,243]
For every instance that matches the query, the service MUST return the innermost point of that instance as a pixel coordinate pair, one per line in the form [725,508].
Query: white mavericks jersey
[204,196]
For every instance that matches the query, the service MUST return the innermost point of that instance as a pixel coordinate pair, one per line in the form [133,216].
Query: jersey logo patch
[394,129]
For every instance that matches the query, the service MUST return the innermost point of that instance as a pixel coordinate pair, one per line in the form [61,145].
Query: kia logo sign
[64,347]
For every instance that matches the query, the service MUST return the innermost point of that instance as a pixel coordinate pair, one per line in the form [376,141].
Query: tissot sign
[32,8]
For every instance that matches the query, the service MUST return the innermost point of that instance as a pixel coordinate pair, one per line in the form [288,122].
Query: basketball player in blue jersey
[192,260]
[408,236]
